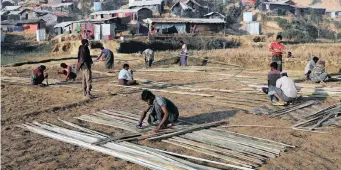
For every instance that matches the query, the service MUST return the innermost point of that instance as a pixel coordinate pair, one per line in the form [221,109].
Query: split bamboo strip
[210,153]
[255,138]
[105,122]
[183,131]
[124,115]
[218,149]
[322,110]
[111,119]
[111,139]
[223,144]
[82,128]
[112,149]
[165,91]
[236,146]
[104,115]
[246,142]
[287,110]
[199,159]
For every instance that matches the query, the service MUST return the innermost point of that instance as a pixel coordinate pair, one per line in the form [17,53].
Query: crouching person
[285,91]
[319,73]
[126,77]
[163,112]
[68,71]
[38,76]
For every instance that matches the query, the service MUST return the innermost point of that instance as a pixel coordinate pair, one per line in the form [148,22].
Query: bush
[337,24]
[283,23]
[193,43]
[327,34]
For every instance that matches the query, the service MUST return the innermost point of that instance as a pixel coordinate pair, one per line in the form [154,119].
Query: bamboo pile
[317,119]
[117,119]
[141,155]
[234,148]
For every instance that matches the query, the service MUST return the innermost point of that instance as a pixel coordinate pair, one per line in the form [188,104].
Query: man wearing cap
[285,91]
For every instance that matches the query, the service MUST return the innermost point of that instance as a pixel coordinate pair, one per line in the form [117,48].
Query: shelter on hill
[188,9]
[154,5]
[134,15]
[185,25]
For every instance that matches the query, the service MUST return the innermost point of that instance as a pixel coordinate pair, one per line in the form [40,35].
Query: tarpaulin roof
[184,20]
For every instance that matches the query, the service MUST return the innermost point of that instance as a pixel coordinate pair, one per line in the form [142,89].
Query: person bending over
[163,112]
[68,71]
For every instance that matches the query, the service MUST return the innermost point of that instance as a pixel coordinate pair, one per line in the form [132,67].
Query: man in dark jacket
[38,76]
[84,64]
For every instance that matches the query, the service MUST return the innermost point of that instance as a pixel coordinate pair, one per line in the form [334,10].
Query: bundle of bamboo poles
[144,156]
[234,148]
[316,119]
[117,119]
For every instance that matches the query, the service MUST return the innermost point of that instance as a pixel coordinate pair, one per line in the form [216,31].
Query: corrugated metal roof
[63,24]
[145,3]
[31,21]
[4,12]
[14,12]
[117,11]
[11,8]
[64,4]
[184,20]
[213,13]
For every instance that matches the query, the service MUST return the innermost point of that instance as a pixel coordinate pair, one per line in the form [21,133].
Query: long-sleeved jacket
[84,58]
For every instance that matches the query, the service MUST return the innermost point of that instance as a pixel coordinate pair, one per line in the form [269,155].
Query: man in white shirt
[285,91]
[310,66]
[125,76]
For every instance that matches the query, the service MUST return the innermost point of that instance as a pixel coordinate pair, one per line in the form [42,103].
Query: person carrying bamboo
[163,112]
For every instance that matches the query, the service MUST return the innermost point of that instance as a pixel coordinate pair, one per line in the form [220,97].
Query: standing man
[148,57]
[108,57]
[310,66]
[125,77]
[84,64]
[183,54]
[163,112]
[38,76]
[68,71]
[277,50]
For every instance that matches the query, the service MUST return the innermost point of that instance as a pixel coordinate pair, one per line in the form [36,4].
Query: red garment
[276,46]
[38,76]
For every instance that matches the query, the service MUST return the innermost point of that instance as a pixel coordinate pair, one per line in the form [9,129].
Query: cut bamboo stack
[117,119]
[234,148]
[144,156]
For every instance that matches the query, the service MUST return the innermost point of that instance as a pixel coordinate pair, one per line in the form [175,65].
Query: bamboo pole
[213,154]
[191,129]
[218,149]
[200,159]
[82,128]
[255,138]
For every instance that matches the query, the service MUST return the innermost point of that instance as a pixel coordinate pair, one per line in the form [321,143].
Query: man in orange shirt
[277,50]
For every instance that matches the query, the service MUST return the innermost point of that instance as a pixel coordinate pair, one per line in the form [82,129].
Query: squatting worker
[68,71]
[108,57]
[38,76]
[272,77]
[319,74]
[125,77]
[163,112]
[84,64]
[277,50]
